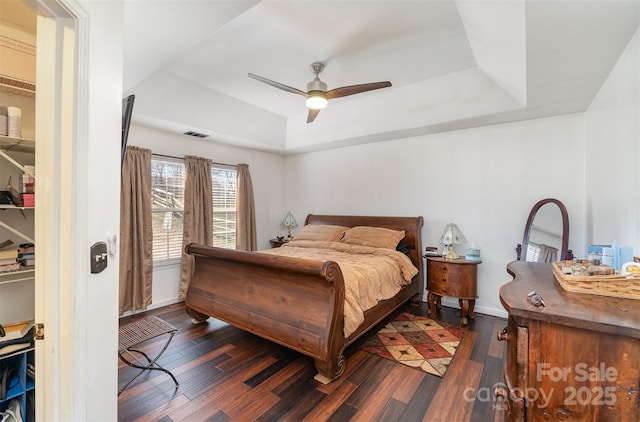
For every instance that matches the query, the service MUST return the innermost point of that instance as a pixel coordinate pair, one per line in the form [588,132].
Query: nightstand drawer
[438,271]
[443,287]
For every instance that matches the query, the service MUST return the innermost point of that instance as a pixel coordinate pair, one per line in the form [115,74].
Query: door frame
[66,374]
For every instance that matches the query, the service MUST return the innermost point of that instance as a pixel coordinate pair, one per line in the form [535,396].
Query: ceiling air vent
[196,134]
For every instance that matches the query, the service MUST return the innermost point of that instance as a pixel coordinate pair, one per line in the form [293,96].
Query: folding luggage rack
[135,334]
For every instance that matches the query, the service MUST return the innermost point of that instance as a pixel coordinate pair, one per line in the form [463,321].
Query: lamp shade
[451,235]
[289,222]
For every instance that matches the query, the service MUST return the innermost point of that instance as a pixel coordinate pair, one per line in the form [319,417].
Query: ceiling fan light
[316,102]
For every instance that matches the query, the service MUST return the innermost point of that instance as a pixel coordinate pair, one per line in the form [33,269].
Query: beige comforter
[370,274]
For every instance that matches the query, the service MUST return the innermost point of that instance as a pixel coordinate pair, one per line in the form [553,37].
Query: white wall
[485,180]
[613,154]
[267,175]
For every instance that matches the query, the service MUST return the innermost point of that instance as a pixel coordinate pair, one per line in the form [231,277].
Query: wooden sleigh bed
[297,303]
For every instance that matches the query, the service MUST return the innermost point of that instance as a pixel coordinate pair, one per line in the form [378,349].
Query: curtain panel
[198,214]
[547,253]
[136,232]
[245,211]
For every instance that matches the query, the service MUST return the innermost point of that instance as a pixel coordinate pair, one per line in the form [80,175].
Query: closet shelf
[7,277]
[17,86]
[9,143]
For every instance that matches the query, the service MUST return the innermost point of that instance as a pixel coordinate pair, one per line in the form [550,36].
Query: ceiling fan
[317,94]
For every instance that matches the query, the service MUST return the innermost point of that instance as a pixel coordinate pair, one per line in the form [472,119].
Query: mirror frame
[565,253]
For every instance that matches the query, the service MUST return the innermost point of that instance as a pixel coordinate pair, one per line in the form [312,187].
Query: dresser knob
[500,392]
[444,290]
[502,335]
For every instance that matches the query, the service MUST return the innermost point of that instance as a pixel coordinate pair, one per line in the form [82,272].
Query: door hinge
[39,331]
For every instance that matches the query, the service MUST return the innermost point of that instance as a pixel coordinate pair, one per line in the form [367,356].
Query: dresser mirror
[546,235]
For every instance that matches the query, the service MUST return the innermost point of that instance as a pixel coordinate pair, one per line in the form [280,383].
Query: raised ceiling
[453,65]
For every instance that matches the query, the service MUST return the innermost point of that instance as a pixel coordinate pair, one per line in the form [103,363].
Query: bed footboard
[297,304]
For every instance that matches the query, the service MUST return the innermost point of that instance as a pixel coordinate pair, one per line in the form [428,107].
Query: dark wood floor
[227,374]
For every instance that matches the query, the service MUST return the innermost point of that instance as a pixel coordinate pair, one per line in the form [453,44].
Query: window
[224,206]
[167,206]
[533,252]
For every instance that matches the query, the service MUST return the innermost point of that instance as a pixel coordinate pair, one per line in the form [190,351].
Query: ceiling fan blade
[278,85]
[312,114]
[355,89]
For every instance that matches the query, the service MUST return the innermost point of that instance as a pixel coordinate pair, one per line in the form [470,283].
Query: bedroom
[441,189]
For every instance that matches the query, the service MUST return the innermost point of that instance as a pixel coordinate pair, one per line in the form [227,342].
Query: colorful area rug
[418,342]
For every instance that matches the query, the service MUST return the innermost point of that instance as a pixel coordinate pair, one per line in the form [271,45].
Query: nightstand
[275,243]
[452,278]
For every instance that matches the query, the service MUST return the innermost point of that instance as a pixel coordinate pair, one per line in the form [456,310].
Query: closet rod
[182,158]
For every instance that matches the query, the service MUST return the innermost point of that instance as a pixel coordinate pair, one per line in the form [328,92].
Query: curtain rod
[182,158]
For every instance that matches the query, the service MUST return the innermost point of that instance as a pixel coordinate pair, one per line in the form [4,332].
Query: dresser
[452,278]
[577,358]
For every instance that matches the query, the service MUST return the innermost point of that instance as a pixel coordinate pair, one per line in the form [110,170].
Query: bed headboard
[412,227]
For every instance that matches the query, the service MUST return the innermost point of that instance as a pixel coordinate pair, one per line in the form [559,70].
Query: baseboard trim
[153,306]
[453,303]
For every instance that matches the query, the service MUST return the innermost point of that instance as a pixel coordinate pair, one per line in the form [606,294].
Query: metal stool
[138,332]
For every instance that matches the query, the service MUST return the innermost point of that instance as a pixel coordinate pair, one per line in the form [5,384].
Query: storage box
[28,199]
[473,254]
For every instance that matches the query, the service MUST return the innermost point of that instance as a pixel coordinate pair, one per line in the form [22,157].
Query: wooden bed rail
[297,304]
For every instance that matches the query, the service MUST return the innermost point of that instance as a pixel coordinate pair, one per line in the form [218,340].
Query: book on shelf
[10,267]
[9,252]
[26,248]
[7,261]
[16,330]
[26,254]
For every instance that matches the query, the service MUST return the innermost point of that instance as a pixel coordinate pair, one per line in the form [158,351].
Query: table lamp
[289,222]
[451,236]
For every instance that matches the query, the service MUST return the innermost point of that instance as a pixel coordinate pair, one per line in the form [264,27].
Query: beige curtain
[245,211]
[136,233]
[198,214]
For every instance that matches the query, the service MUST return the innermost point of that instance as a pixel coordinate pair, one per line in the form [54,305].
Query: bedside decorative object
[452,278]
[451,236]
[289,222]
[472,254]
